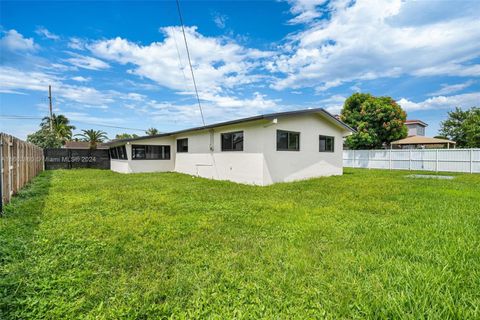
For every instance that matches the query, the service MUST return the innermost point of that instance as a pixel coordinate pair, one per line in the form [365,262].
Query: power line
[179,57]
[20,117]
[190,61]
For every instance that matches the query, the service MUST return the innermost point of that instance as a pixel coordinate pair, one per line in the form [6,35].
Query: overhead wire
[190,61]
[20,117]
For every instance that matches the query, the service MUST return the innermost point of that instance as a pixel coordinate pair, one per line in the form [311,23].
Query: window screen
[288,140]
[232,141]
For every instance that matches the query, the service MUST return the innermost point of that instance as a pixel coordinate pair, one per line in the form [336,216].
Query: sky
[121,66]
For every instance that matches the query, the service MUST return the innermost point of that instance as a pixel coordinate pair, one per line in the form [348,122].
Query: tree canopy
[378,121]
[55,136]
[463,127]
[152,131]
[93,136]
[120,136]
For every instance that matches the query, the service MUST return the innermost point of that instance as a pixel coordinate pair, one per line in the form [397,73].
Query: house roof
[254,118]
[82,145]
[421,140]
[420,122]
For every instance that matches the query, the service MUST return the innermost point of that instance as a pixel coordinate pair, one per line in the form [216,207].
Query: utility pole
[50,103]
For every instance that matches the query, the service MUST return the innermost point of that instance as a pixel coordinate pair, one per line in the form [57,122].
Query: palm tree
[152,132]
[61,126]
[93,136]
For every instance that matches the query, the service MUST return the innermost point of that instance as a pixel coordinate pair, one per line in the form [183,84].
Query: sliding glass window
[150,152]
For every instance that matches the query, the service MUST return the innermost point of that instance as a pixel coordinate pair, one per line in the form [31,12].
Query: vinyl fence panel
[453,160]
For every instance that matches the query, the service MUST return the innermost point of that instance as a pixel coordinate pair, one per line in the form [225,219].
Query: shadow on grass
[18,226]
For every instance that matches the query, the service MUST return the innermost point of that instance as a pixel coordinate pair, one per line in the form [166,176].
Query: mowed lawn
[92,244]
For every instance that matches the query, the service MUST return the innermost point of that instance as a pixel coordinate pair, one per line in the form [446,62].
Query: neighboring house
[82,145]
[416,138]
[259,150]
[416,127]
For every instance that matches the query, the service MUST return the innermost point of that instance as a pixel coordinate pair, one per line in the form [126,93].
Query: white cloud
[333,104]
[14,41]
[466,100]
[371,39]
[12,79]
[88,119]
[448,89]
[80,79]
[76,43]
[42,31]
[218,63]
[305,10]
[220,20]
[86,62]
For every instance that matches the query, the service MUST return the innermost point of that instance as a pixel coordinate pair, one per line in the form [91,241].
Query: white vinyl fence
[453,160]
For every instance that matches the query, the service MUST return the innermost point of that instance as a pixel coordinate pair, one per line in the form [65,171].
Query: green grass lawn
[95,244]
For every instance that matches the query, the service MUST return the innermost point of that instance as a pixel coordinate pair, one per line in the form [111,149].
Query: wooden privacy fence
[452,160]
[20,162]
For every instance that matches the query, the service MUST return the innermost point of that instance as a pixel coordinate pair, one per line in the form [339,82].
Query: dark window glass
[232,141]
[327,144]
[123,152]
[118,153]
[182,145]
[150,152]
[138,152]
[288,140]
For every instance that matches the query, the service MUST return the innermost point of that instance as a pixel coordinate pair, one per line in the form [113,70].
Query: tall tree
[61,126]
[152,131]
[93,136]
[378,121]
[48,138]
[463,127]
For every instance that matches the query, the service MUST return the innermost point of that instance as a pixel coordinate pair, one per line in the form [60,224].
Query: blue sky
[124,64]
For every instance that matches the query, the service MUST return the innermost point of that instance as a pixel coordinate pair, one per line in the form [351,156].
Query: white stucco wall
[239,166]
[259,163]
[309,162]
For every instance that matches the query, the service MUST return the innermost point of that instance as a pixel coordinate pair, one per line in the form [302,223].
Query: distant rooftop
[420,122]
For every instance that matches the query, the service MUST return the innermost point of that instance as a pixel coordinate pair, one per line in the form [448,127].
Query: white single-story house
[259,150]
